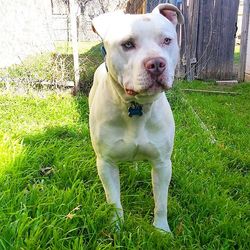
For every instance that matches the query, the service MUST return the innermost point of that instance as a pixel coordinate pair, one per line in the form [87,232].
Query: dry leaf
[46,171]
[76,208]
[70,216]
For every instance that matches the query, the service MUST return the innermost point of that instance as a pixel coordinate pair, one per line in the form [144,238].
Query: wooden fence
[207,38]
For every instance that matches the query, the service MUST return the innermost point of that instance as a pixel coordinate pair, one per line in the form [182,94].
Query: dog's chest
[138,148]
[133,140]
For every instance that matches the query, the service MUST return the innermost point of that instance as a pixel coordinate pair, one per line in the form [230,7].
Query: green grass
[47,169]
[52,198]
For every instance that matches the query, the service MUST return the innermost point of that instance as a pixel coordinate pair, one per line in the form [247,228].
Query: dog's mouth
[131,92]
[155,87]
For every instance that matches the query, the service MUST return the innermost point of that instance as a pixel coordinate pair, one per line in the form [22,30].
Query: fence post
[74,39]
[187,50]
[244,36]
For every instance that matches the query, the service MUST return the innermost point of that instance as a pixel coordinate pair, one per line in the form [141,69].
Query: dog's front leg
[109,175]
[161,175]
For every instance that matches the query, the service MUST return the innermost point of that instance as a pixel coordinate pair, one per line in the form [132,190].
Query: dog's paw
[117,219]
[117,225]
[162,226]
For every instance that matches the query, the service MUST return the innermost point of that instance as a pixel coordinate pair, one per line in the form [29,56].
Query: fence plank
[204,38]
[193,32]
[244,36]
[187,31]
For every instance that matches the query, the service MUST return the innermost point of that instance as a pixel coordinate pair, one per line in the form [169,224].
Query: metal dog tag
[135,109]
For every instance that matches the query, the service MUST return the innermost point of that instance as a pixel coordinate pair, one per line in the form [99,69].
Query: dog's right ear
[102,23]
[171,12]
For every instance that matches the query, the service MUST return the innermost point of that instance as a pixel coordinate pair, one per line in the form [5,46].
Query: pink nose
[155,66]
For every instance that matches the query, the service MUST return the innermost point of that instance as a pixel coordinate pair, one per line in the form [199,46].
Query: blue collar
[104,53]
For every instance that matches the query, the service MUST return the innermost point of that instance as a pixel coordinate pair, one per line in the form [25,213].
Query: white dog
[130,117]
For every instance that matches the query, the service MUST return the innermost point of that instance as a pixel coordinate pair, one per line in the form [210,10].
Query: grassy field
[51,197]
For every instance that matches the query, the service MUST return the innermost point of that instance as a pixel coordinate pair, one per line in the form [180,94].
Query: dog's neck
[121,96]
[135,107]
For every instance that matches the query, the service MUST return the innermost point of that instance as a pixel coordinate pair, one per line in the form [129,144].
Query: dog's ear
[102,23]
[171,12]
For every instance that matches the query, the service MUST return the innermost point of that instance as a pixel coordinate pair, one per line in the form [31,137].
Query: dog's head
[142,50]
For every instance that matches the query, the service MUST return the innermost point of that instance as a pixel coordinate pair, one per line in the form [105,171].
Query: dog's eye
[167,41]
[128,45]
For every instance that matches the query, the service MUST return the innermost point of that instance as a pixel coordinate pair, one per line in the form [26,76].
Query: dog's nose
[155,66]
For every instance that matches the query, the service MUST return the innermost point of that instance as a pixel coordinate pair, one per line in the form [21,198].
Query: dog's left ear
[171,12]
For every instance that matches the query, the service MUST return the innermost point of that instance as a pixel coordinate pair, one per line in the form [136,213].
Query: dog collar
[135,109]
[103,50]
[104,53]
